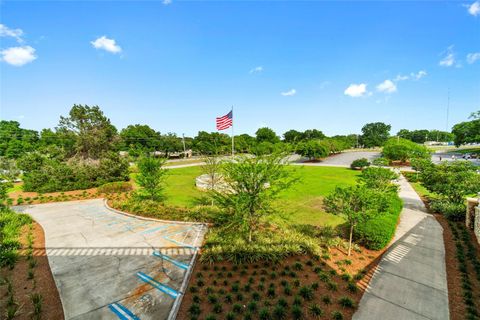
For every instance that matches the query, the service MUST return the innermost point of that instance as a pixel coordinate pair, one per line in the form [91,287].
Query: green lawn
[301,204]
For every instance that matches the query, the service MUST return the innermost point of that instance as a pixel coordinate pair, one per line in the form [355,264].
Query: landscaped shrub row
[376,233]
[296,288]
[10,226]
[470,297]
[159,210]
[115,187]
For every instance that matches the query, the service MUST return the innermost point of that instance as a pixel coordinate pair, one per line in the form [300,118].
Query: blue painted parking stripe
[180,243]
[179,264]
[160,286]
[122,312]
[178,231]
[155,229]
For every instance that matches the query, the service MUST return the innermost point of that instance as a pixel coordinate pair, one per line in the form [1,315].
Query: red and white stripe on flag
[225,122]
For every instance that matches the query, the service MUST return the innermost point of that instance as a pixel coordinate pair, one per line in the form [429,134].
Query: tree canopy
[375,134]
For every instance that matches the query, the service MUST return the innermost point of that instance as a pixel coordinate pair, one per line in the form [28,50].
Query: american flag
[225,122]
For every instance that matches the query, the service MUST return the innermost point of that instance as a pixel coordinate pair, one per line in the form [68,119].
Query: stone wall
[472,219]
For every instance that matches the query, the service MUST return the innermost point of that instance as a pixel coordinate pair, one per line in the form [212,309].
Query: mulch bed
[219,279]
[36,198]
[42,283]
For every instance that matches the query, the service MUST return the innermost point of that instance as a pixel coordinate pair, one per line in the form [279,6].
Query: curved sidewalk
[410,281]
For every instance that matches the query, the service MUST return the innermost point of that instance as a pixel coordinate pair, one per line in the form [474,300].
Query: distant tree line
[87,133]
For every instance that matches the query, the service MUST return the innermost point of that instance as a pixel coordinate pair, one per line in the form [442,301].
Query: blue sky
[175,66]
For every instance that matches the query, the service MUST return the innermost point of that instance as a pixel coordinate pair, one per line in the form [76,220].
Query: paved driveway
[343,159]
[108,265]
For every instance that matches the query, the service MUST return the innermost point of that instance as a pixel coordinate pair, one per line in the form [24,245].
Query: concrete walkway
[410,281]
[110,266]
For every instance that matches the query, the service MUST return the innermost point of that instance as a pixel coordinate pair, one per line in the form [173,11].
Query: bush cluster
[404,150]
[115,187]
[360,163]
[43,174]
[377,232]
[10,226]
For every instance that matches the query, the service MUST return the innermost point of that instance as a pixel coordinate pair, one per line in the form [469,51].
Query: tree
[170,143]
[379,179]
[140,138]
[254,183]
[313,134]
[244,143]
[292,136]
[467,132]
[452,180]
[212,168]
[357,204]
[15,141]
[313,149]
[375,134]
[151,178]
[404,150]
[94,134]
[212,143]
[266,135]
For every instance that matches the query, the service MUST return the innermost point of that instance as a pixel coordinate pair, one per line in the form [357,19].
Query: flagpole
[233,143]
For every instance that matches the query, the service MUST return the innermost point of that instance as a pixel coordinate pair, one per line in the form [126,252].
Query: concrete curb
[178,302]
[105,202]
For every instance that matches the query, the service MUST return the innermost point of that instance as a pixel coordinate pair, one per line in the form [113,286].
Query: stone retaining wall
[472,219]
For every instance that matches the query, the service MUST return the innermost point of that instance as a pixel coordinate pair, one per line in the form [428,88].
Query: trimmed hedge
[114,187]
[376,233]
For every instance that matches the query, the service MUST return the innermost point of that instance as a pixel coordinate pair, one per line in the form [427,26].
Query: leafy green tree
[292,136]
[254,183]
[94,134]
[313,134]
[139,139]
[212,143]
[266,135]
[15,141]
[170,143]
[8,169]
[244,143]
[453,180]
[404,150]
[375,134]
[357,204]
[313,149]
[379,179]
[468,131]
[151,178]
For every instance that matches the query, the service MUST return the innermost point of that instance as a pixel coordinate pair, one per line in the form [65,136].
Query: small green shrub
[360,163]
[337,315]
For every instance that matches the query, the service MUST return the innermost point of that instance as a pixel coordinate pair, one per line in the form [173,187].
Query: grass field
[300,204]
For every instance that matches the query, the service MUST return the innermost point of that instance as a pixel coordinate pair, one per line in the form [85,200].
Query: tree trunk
[350,242]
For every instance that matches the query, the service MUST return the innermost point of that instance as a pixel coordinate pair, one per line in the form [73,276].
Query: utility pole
[448,109]
[184,149]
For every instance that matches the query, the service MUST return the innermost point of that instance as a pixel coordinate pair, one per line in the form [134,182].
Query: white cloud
[472,57]
[14,33]
[18,56]
[288,93]
[167,2]
[474,8]
[449,59]
[256,69]
[419,75]
[387,86]
[356,90]
[401,78]
[106,44]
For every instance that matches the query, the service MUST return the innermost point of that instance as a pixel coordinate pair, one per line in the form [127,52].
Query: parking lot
[108,265]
